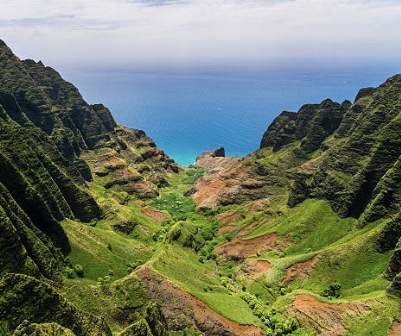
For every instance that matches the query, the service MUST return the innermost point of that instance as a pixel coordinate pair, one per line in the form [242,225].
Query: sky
[129,32]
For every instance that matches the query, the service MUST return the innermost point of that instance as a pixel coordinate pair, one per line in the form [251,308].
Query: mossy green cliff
[101,233]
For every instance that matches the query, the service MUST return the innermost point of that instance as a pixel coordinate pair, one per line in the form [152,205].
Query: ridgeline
[101,233]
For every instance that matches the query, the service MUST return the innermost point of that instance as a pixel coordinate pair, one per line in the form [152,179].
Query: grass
[276,273]
[348,255]
[181,266]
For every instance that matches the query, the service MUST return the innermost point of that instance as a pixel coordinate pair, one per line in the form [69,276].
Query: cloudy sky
[72,32]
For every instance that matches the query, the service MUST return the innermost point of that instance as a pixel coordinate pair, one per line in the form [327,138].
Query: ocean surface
[188,111]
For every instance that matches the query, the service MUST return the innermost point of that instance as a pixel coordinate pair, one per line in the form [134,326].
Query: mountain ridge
[103,234]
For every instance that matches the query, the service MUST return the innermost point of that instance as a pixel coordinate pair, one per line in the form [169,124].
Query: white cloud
[124,31]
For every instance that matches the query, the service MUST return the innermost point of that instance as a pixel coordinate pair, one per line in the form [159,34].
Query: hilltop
[103,234]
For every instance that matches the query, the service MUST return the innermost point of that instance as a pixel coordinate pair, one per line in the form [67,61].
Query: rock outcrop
[213,159]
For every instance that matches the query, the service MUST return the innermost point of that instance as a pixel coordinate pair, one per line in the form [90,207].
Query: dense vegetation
[102,234]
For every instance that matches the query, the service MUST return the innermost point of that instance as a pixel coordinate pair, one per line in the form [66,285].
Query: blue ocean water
[188,111]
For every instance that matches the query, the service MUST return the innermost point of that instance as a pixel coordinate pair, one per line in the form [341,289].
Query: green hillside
[101,233]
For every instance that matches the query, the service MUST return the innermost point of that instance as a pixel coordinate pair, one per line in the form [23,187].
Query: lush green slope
[102,234]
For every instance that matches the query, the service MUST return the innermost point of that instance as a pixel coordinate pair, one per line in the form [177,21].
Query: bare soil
[155,215]
[226,228]
[258,205]
[244,231]
[140,202]
[227,218]
[325,318]
[253,269]
[395,329]
[300,270]
[174,302]
[239,250]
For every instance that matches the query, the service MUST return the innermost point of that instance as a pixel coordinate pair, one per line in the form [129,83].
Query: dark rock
[219,152]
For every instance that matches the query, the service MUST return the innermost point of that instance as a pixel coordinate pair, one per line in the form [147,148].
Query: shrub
[69,272]
[333,291]
[79,270]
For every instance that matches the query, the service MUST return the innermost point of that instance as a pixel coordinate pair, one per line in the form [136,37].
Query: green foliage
[178,206]
[186,234]
[79,270]
[69,272]
[25,298]
[334,290]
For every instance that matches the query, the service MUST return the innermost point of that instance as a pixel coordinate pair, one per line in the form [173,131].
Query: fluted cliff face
[52,143]
[102,233]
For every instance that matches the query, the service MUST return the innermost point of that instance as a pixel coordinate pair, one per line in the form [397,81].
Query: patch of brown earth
[395,329]
[115,162]
[226,228]
[244,231]
[300,270]
[174,303]
[209,274]
[127,173]
[227,218]
[253,269]
[258,205]
[325,318]
[239,250]
[118,199]
[139,202]
[223,186]
[155,215]
[214,162]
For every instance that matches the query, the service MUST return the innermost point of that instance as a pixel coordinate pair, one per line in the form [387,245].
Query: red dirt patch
[246,229]
[242,249]
[227,218]
[116,162]
[118,199]
[155,215]
[300,270]
[226,181]
[395,329]
[226,228]
[139,202]
[127,173]
[209,274]
[325,318]
[253,269]
[174,302]
[258,205]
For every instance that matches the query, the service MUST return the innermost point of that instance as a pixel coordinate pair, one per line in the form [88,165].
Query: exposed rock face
[225,185]
[213,159]
[361,170]
[311,125]
[219,152]
[48,138]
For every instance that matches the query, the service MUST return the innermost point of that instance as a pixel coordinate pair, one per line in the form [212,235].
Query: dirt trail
[174,302]
[300,270]
[395,329]
[239,250]
[325,318]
